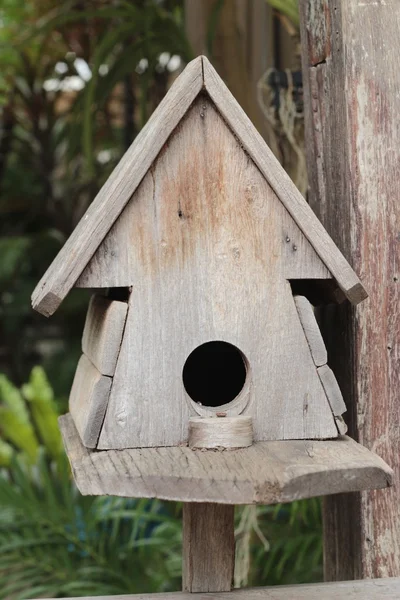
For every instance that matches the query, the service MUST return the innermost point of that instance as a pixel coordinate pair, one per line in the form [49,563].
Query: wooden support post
[352,88]
[208,547]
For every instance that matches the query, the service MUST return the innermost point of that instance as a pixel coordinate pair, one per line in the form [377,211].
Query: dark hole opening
[214,373]
[119,293]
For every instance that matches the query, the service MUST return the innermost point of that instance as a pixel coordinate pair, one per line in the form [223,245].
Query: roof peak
[114,195]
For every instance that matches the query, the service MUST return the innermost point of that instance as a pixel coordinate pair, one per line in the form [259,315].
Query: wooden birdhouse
[203,334]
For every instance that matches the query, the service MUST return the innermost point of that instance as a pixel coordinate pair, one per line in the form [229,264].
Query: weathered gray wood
[223,432]
[88,401]
[370,589]
[78,250]
[352,89]
[283,185]
[216,270]
[102,335]
[208,547]
[113,196]
[332,390]
[341,425]
[311,330]
[264,473]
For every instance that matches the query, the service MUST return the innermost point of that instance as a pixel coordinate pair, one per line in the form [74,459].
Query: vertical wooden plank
[311,330]
[88,401]
[102,335]
[352,86]
[208,547]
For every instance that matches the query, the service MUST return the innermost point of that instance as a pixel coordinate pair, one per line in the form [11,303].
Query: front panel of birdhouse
[207,251]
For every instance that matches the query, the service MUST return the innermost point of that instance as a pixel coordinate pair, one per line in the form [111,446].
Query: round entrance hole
[214,373]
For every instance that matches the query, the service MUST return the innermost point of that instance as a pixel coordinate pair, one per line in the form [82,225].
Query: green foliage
[15,422]
[294,532]
[53,541]
[40,396]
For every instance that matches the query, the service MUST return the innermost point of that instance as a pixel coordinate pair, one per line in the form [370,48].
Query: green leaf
[6,454]
[39,394]
[13,399]
[19,433]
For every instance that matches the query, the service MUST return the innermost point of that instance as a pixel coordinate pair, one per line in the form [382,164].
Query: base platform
[264,473]
[367,589]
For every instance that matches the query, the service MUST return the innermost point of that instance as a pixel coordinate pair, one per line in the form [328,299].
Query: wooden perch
[264,473]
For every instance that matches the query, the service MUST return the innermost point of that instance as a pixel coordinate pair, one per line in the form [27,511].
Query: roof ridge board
[282,185]
[112,198]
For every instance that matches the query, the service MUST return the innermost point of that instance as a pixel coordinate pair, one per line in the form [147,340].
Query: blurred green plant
[28,421]
[55,542]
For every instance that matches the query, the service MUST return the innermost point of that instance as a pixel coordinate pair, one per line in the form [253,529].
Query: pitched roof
[198,76]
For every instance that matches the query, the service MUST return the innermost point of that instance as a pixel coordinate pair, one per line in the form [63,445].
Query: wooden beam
[264,473]
[332,390]
[102,335]
[88,401]
[375,589]
[311,330]
[208,547]
[352,89]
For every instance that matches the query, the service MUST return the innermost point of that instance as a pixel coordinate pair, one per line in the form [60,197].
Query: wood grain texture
[264,473]
[311,330]
[102,335]
[66,269]
[283,186]
[204,238]
[223,432]
[332,390]
[341,425]
[371,589]
[88,401]
[352,90]
[208,547]
[113,196]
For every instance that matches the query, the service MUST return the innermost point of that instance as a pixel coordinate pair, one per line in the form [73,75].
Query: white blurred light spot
[82,69]
[61,68]
[174,63]
[69,84]
[142,65]
[103,70]
[163,59]
[104,156]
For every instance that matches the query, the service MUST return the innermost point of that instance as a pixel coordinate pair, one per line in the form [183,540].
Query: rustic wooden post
[208,547]
[352,87]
